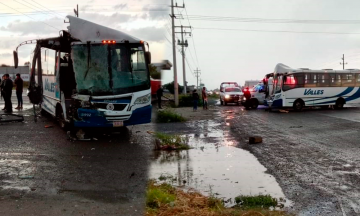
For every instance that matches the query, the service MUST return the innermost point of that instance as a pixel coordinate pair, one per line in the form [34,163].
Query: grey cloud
[5,55]
[149,34]
[120,6]
[156,11]
[33,27]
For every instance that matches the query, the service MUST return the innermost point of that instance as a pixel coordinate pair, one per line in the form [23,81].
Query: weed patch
[170,142]
[165,200]
[264,201]
[167,116]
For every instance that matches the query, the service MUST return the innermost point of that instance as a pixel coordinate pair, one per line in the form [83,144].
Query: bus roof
[85,31]
[284,69]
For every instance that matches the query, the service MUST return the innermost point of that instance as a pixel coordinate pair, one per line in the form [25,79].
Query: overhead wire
[30,16]
[33,7]
[278,31]
[46,8]
[266,20]
[192,37]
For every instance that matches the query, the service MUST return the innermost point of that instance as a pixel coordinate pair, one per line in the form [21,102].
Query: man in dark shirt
[159,94]
[195,97]
[7,89]
[19,90]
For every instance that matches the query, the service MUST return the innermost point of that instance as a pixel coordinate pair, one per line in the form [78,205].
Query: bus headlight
[227,96]
[143,99]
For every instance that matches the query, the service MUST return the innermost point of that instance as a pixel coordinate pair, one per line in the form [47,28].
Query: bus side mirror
[16,59]
[148,57]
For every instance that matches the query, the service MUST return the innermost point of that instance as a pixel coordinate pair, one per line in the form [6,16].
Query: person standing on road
[204,98]
[19,90]
[159,94]
[195,97]
[8,86]
[247,96]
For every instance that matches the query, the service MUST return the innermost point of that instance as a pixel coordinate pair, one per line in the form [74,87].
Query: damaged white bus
[91,76]
[303,87]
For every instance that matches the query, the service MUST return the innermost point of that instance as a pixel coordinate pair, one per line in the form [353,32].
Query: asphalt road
[43,173]
[313,154]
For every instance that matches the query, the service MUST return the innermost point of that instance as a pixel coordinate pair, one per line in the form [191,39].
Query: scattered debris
[92,149]
[94,138]
[283,111]
[49,126]
[296,126]
[132,175]
[255,140]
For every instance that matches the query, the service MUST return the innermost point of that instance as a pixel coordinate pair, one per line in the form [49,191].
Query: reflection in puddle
[215,166]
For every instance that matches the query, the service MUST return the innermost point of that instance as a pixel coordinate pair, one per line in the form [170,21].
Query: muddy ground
[313,154]
[43,173]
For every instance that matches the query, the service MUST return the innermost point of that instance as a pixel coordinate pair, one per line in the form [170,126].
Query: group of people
[6,86]
[195,97]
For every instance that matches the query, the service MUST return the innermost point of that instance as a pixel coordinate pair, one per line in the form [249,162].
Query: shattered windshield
[102,69]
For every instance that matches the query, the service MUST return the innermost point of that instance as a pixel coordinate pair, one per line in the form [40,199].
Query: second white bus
[299,88]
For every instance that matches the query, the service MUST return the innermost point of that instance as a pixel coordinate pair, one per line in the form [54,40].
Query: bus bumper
[95,118]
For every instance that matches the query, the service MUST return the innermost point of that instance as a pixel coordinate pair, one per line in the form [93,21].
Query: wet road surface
[313,154]
[215,165]
[43,173]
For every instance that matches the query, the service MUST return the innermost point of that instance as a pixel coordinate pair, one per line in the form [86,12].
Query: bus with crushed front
[91,76]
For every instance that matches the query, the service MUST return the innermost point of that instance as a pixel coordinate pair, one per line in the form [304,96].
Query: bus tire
[298,105]
[254,103]
[339,103]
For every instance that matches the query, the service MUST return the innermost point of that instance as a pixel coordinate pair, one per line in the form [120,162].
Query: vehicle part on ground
[11,118]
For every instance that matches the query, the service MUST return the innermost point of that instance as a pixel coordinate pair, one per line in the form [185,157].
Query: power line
[279,31]
[46,7]
[33,7]
[266,20]
[29,16]
[192,37]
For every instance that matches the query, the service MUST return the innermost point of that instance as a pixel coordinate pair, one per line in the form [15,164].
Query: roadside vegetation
[165,200]
[167,116]
[170,142]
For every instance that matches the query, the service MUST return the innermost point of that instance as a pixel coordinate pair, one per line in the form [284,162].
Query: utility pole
[343,62]
[183,44]
[197,74]
[176,92]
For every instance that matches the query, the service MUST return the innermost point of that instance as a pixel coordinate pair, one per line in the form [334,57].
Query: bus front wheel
[339,103]
[298,105]
[254,103]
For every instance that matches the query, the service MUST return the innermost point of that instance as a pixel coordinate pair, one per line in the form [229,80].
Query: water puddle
[215,166]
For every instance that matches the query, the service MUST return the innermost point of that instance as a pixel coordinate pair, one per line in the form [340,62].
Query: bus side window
[347,80]
[357,80]
[323,80]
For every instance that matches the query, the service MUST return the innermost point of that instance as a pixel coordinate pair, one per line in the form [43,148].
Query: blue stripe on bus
[355,96]
[346,91]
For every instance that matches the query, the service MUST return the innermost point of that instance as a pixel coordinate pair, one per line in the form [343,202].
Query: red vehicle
[154,86]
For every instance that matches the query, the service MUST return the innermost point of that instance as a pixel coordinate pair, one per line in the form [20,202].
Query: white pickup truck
[231,95]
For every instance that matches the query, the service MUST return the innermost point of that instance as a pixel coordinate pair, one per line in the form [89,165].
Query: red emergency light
[108,41]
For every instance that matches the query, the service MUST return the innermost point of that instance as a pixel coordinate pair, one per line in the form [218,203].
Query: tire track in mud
[310,170]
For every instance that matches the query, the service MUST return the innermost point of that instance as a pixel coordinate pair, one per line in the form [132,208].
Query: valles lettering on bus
[313,92]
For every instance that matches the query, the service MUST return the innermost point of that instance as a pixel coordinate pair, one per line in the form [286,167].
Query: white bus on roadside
[91,76]
[298,88]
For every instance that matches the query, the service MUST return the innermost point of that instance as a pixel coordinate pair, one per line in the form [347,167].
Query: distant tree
[170,87]
[153,72]
[27,63]
[4,65]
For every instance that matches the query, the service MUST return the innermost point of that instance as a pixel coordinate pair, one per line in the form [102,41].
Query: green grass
[159,196]
[264,201]
[167,116]
[171,142]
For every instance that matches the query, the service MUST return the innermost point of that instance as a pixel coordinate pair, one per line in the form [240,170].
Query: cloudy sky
[239,54]
[23,20]
[232,40]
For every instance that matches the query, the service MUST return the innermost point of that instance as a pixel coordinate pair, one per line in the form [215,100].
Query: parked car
[231,95]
